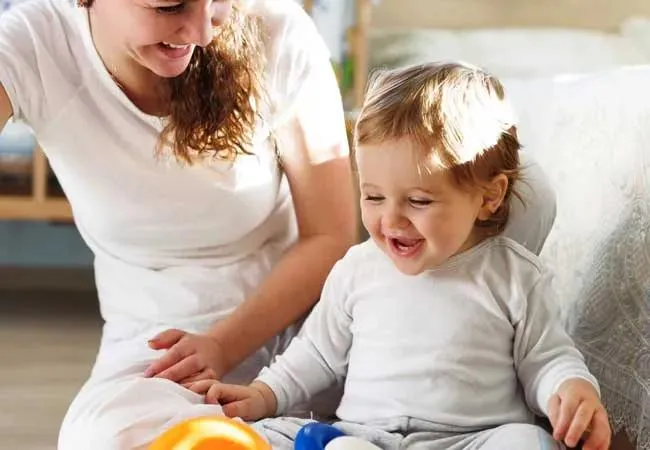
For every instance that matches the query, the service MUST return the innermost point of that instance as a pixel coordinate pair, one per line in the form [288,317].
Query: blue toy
[319,436]
[315,436]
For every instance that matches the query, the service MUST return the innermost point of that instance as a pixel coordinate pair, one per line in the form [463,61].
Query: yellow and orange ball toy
[210,433]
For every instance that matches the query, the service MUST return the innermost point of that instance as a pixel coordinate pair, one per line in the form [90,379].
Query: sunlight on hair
[472,115]
[454,110]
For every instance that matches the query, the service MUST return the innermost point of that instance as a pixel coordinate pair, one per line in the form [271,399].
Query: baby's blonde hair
[456,113]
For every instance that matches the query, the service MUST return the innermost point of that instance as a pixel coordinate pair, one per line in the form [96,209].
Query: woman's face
[160,35]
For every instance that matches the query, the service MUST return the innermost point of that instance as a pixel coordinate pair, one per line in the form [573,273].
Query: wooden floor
[47,346]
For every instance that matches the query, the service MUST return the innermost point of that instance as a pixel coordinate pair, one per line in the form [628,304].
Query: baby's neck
[477,236]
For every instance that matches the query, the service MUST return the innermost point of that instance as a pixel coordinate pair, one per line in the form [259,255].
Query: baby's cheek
[369,221]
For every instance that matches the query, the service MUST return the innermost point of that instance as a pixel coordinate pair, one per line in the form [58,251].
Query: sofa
[591,135]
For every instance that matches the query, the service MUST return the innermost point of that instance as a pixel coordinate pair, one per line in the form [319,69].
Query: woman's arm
[323,195]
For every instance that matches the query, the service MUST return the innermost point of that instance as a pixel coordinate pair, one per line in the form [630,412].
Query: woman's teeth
[167,44]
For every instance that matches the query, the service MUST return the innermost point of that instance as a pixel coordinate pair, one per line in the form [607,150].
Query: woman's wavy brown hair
[216,103]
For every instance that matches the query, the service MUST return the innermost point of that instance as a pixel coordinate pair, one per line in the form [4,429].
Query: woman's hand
[189,357]
[576,410]
[249,403]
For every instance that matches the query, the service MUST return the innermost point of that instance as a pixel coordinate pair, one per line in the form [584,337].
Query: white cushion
[591,135]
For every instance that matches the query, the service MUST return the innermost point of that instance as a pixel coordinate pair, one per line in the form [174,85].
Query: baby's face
[412,209]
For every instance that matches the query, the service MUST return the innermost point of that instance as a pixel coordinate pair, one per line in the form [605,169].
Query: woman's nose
[201,22]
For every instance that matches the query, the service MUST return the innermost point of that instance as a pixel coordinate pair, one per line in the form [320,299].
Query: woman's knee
[96,432]
[128,414]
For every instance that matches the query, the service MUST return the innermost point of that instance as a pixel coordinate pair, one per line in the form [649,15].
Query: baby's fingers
[200,387]
[601,434]
[243,409]
[568,407]
[222,394]
[554,410]
[581,420]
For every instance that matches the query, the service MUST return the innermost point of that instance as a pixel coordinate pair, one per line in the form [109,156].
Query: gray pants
[404,433]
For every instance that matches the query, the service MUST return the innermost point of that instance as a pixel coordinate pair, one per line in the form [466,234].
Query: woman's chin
[165,66]
[168,71]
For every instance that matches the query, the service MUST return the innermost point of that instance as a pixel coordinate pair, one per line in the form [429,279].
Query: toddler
[443,331]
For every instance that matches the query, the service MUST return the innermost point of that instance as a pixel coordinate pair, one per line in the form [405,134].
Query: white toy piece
[350,443]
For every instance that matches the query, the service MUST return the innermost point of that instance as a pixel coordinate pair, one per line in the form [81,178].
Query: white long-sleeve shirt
[474,343]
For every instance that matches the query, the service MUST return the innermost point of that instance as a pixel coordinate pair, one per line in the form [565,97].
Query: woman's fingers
[166,339]
[173,356]
[187,367]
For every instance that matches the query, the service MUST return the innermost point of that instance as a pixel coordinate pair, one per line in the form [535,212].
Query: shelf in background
[36,199]
[27,208]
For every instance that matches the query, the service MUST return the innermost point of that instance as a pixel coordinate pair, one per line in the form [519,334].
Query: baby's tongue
[407,243]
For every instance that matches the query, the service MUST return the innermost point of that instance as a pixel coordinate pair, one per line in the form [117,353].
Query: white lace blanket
[592,136]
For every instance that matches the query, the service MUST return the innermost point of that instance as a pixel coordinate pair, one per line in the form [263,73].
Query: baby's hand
[247,402]
[576,409]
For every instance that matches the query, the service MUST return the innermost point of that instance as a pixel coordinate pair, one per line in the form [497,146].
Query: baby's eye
[420,201]
[172,9]
[373,198]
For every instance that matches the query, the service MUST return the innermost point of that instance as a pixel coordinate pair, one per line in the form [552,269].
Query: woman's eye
[420,201]
[173,9]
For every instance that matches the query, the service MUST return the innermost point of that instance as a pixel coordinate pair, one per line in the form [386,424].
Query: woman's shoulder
[39,44]
[40,29]
[295,53]
[287,27]
[55,16]
[279,13]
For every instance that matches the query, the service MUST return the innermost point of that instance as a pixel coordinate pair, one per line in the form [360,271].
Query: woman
[223,245]
[164,121]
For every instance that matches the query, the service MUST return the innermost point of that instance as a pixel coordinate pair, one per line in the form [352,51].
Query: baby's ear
[493,194]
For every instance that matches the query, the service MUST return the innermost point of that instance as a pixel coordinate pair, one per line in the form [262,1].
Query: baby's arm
[545,356]
[552,371]
[317,358]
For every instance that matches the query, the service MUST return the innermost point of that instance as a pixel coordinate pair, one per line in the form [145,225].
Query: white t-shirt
[170,241]
[473,343]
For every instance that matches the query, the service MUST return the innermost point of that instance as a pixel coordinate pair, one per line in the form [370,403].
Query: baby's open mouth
[405,246]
